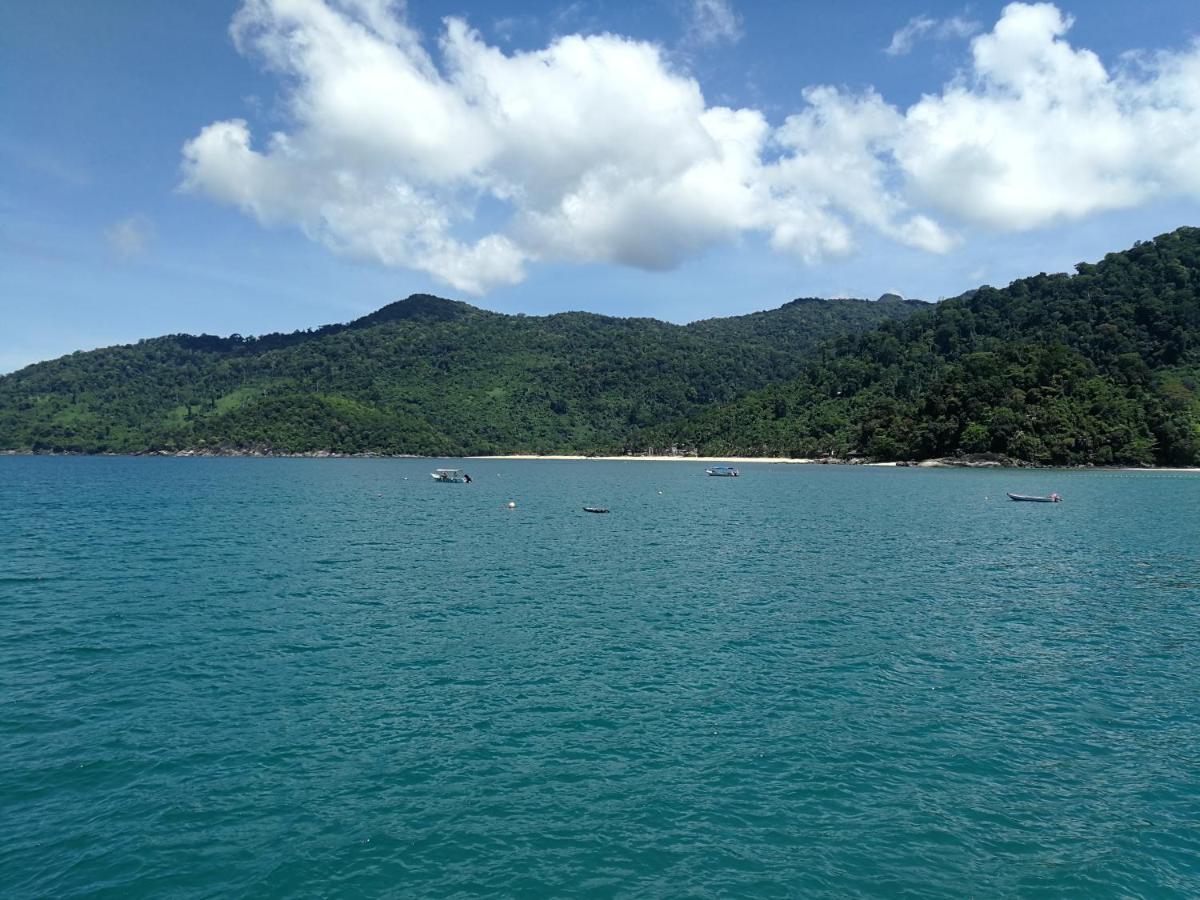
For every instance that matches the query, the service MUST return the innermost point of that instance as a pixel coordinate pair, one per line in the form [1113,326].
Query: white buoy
[512,504]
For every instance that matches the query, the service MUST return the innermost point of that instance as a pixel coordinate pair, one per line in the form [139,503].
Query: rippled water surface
[337,678]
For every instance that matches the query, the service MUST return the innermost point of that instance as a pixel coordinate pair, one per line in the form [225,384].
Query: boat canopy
[722,468]
[448,471]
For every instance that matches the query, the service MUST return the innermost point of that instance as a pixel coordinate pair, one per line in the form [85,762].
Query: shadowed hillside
[1102,366]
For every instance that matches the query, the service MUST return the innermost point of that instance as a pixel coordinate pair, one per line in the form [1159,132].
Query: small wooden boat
[1026,498]
[595,509]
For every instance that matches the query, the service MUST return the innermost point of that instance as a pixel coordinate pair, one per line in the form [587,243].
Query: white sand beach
[783,460]
[691,459]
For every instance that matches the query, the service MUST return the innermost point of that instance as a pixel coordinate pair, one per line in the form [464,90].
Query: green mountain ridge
[422,375]
[1098,367]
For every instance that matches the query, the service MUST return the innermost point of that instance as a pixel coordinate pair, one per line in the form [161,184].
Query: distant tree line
[1102,366]
[424,375]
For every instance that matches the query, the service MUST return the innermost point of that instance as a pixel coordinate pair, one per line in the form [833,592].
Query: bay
[337,678]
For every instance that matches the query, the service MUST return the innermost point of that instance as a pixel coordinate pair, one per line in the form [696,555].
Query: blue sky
[672,158]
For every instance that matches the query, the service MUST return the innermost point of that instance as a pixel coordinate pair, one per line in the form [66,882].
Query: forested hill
[1102,366]
[423,375]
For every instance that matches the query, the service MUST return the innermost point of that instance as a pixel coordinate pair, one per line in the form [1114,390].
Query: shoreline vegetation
[1099,368]
[976,461]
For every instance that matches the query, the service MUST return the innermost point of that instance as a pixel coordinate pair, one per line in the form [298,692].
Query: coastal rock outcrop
[970,461]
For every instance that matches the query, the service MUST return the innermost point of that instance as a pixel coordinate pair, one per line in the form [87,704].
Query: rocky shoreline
[971,461]
[258,453]
[964,461]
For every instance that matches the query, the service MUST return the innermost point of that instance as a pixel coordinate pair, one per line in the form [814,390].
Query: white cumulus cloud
[1044,133]
[472,163]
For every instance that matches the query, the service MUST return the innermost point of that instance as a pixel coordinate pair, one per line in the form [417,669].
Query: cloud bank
[470,163]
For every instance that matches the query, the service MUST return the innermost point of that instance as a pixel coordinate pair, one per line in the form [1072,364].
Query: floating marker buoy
[512,504]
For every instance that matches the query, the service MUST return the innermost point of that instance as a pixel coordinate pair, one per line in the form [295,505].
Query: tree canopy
[1100,366]
[423,375]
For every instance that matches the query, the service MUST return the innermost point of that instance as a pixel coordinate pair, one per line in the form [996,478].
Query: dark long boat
[1026,498]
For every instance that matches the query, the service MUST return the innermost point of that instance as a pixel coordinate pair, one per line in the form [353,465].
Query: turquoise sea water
[240,677]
